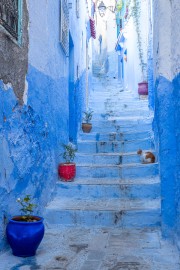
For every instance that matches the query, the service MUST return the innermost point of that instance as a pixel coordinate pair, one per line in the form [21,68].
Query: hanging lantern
[102,9]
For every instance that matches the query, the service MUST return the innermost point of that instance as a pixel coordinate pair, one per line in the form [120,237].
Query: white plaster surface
[175,37]
[7,86]
[25,95]
[166,38]
[45,52]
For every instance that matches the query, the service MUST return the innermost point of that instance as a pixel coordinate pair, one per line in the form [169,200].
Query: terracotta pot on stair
[86,127]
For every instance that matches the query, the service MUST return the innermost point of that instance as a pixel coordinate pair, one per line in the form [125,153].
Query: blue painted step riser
[128,219]
[106,116]
[113,111]
[123,122]
[119,105]
[114,136]
[118,128]
[114,147]
[108,191]
[114,160]
[117,101]
[109,114]
[117,172]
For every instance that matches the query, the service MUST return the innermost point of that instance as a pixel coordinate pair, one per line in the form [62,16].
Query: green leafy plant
[27,208]
[69,152]
[87,116]
[119,5]
[136,14]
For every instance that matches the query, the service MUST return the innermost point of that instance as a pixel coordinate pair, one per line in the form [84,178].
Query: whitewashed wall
[132,71]
[106,27]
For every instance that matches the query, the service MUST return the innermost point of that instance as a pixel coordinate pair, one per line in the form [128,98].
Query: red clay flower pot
[67,171]
[86,127]
[143,88]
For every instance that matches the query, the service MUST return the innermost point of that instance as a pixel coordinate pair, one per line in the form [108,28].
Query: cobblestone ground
[98,249]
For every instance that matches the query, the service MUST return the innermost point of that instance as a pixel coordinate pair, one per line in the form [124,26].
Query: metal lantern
[102,9]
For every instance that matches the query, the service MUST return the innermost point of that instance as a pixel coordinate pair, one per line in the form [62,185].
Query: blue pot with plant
[25,232]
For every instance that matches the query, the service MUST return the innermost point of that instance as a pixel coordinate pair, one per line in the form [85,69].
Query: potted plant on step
[86,125]
[25,232]
[67,170]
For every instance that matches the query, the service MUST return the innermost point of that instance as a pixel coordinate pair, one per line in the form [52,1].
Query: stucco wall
[32,133]
[132,67]
[14,57]
[166,123]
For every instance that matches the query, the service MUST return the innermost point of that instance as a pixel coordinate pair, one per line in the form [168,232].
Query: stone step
[118,108]
[104,213]
[124,121]
[115,136]
[114,146]
[120,115]
[134,127]
[127,171]
[102,113]
[88,188]
[108,158]
[123,101]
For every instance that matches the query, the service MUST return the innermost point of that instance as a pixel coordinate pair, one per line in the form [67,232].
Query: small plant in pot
[25,232]
[86,125]
[67,169]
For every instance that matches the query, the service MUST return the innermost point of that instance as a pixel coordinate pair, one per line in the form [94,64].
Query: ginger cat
[146,157]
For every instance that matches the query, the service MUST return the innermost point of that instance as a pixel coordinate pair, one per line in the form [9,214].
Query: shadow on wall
[78,106]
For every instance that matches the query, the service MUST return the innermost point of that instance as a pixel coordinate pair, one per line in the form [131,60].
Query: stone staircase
[112,187]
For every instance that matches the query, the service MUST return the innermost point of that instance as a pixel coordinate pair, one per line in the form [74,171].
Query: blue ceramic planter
[24,237]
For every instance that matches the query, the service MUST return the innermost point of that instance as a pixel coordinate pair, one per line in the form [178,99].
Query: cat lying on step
[146,157]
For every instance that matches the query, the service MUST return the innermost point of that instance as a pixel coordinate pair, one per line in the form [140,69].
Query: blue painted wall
[176,86]
[77,101]
[166,124]
[165,95]
[164,116]
[32,134]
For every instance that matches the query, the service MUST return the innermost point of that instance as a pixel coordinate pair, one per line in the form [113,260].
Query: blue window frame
[11,17]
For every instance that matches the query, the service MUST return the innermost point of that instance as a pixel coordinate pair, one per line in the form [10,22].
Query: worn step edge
[104,204]
[113,153]
[104,181]
[116,166]
[114,132]
[115,142]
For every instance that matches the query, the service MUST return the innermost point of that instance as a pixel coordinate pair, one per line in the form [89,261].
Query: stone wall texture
[32,131]
[14,57]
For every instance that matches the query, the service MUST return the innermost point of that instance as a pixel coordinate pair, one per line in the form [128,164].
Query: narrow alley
[89,135]
[109,218]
